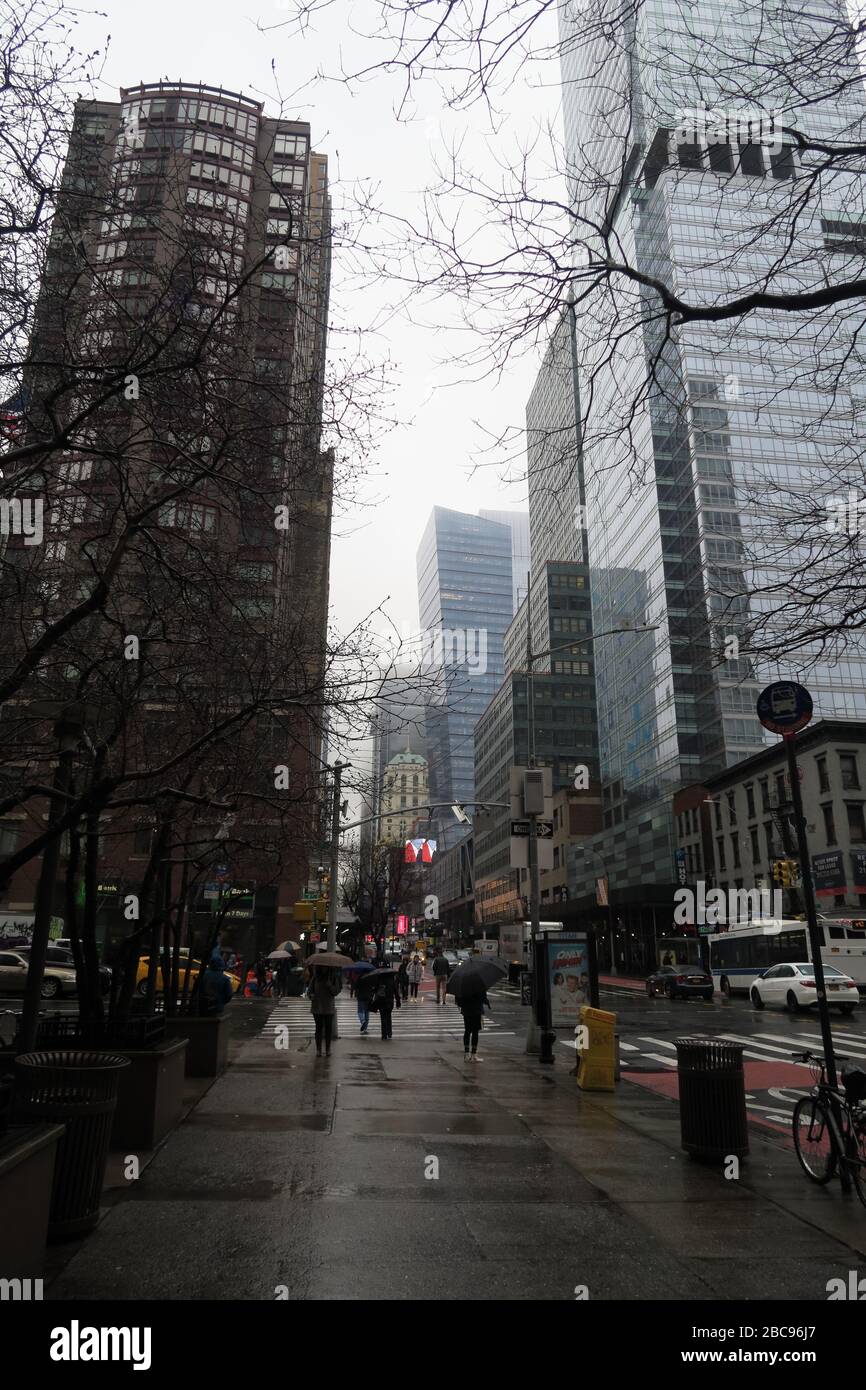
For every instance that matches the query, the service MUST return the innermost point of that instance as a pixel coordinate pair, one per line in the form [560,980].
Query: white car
[793,985]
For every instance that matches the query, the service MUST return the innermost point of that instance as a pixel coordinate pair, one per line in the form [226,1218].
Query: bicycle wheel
[813,1139]
[858,1169]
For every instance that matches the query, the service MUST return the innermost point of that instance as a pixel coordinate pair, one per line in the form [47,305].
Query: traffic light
[778,871]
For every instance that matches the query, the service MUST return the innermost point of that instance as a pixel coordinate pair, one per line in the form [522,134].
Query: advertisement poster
[828,874]
[568,980]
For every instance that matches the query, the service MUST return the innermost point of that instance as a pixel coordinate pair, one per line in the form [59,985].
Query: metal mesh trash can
[712,1098]
[78,1090]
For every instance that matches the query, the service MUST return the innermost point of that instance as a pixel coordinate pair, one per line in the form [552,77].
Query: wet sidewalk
[397,1171]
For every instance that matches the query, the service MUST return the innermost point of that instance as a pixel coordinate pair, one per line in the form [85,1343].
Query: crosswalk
[291,1019]
[761,1047]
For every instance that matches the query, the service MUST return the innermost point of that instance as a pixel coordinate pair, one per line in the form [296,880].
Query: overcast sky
[427,458]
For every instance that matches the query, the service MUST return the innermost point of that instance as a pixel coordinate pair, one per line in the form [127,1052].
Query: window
[732,810]
[829,823]
[765,793]
[292,174]
[756,849]
[750,802]
[9,838]
[290,146]
[856,824]
[720,845]
[768,832]
[781,791]
[848,768]
[142,842]
[735,851]
[823,779]
[188,516]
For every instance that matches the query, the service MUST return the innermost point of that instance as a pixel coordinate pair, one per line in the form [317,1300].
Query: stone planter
[208,1039]
[27,1155]
[150,1095]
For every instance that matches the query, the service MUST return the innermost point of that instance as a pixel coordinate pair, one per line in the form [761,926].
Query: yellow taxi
[184,968]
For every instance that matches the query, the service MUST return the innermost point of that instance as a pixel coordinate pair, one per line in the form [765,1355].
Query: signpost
[785,708]
[543,828]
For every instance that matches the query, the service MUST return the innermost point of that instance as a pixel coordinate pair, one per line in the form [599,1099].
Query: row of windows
[220,202]
[243,123]
[215,173]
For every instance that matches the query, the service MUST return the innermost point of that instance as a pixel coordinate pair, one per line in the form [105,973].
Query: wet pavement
[396,1171]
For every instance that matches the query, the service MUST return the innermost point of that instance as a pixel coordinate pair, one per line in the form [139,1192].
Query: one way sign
[543,829]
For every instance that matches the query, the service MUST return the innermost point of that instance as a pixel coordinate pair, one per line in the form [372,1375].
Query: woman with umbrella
[356,973]
[385,997]
[326,981]
[468,984]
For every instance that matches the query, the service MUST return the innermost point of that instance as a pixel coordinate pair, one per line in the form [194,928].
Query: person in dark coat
[323,989]
[386,997]
[403,979]
[216,987]
[472,1009]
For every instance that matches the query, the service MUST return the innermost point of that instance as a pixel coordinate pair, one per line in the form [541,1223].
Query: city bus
[740,956]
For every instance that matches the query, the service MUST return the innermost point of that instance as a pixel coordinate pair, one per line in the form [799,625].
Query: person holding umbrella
[356,974]
[326,981]
[472,1007]
[403,978]
[468,984]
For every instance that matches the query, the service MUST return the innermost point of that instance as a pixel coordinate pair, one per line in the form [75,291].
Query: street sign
[784,707]
[543,829]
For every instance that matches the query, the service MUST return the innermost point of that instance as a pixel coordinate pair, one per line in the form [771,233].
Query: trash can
[712,1098]
[78,1090]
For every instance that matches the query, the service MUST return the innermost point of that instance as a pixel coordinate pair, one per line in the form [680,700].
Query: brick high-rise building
[175,386]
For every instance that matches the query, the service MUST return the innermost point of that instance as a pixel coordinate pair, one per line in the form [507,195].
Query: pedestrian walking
[386,998]
[472,1009]
[364,989]
[323,989]
[441,971]
[262,973]
[403,979]
[416,975]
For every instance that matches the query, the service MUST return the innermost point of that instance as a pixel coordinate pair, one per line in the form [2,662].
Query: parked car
[57,980]
[55,955]
[793,985]
[680,982]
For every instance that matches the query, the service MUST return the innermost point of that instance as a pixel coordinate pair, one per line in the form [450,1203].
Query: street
[394,1170]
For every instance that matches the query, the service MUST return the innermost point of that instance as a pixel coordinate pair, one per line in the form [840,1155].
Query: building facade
[520,554]
[465,601]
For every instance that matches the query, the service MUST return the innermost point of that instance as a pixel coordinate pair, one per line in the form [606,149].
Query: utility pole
[335,864]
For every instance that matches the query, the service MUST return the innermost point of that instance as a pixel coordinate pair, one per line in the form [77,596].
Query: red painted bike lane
[762,1079]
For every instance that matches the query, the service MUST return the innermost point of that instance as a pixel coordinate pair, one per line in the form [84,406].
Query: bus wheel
[725,986]
[793,1002]
[756,998]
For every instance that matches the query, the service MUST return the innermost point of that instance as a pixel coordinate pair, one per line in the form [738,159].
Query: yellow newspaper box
[596,1056]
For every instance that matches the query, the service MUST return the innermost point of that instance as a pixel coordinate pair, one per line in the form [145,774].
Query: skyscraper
[189,265]
[465,601]
[692,433]
[520,556]
[557,529]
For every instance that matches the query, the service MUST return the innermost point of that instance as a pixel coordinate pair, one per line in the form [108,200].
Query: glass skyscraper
[701,439]
[465,602]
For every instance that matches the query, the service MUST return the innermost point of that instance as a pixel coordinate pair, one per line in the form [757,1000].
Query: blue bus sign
[784,707]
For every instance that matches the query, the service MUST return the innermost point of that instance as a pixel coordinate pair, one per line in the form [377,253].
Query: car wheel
[756,999]
[725,987]
[793,1002]
[847,1008]
[669,991]
[50,988]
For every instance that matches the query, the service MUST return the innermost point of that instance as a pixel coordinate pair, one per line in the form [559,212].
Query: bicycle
[829,1126]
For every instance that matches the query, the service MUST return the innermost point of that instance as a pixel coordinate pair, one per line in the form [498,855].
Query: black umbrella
[474,977]
[378,974]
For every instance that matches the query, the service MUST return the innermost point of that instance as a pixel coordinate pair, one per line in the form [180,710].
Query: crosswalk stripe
[807,1040]
[659,1042]
[657,1057]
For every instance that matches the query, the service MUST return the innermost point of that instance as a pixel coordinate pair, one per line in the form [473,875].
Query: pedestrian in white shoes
[472,1008]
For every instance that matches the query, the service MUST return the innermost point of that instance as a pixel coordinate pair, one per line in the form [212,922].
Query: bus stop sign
[784,708]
